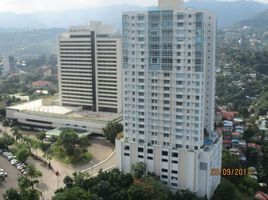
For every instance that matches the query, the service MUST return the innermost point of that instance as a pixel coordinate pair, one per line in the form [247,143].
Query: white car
[11,157]
[3,174]
[14,162]
[6,154]
[20,166]
[24,171]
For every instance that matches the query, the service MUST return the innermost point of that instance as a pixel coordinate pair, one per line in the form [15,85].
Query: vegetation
[115,185]
[225,191]
[70,149]
[111,131]
[26,189]
[239,90]
[6,141]
[240,184]
[22,154]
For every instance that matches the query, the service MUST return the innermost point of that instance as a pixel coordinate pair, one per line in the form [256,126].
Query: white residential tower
[169,91]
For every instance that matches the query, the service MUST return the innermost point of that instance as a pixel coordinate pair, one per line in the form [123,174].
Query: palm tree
[16,133]
[28,143]
[5,124]
[41,136]
[33,174]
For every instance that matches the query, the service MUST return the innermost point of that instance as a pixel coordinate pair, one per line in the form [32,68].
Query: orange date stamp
[229,172]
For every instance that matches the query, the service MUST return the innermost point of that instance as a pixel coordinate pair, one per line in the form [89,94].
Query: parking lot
[13,174]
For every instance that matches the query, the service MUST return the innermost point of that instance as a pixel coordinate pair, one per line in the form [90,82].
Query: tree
[5,123]
[248,185]
[225,191]
[74,193]
[6,141]
[12,194]
[33,174]
[139,170]
[41,136]
[69,139]
[187,195]
[229,161]
[16,133]
[111,131]
[24,192]
[136,192]
[249,132]
[23,154]
[27,190]
[68,181]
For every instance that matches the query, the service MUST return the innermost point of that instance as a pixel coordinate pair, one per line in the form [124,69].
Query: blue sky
[25,6]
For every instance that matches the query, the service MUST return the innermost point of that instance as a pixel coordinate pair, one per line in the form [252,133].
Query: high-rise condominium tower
[169,89]
[90,68]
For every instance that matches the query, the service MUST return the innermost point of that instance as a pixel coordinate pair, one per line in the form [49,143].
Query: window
[140,149]
[166,81]
[175,154]
[164,170]
[203,166]
[164,176]
[174,172]
[126,148]
[179,103]
[164,153]
[180,16]
[166,74]
[180,24]
[150,151]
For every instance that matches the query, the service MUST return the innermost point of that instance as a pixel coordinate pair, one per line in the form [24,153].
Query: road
[103,158]
[11,180]
[108,163]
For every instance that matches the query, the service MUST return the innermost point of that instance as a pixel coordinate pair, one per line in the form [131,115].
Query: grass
[78,157]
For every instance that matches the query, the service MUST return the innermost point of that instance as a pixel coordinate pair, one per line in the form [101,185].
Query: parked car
[20,166]
[3,173]
[24,171]
[14,162]
[6,154]
[11,157]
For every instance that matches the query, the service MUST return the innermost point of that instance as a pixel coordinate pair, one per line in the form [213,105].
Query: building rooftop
[39,108]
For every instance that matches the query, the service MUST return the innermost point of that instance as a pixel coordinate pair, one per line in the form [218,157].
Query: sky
[26,6]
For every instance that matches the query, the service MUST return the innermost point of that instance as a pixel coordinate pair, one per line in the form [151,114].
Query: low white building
[40,115]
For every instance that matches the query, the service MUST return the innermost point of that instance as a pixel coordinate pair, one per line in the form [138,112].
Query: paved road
[49,182]
[11,180]
[108,163]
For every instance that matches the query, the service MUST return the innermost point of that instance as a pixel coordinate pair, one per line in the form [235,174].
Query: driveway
[11,180]
[100,148]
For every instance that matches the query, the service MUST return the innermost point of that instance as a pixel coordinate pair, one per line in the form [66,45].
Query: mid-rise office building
[169,92]
[90,68]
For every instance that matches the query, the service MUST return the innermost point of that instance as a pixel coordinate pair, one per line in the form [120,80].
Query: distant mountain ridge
[228,13]
[259,21]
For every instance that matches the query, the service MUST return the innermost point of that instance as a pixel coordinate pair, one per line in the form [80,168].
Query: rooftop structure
[46,114]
